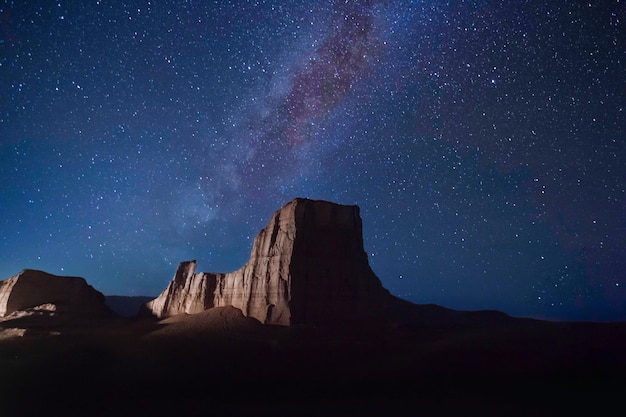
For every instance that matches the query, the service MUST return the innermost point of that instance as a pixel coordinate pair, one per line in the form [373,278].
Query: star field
[483,141]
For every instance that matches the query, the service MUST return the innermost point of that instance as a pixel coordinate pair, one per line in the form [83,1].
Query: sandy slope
[215,320]
[221,363]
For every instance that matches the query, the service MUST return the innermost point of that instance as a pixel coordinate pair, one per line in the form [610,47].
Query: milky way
[482,140]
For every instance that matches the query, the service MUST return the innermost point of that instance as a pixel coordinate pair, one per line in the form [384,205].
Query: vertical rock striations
[188,292]
[307,266]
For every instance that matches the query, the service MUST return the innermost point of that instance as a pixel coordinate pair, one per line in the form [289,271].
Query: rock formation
[307,266]
[31,288]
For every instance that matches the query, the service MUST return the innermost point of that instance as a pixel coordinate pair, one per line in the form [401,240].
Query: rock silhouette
[307,265]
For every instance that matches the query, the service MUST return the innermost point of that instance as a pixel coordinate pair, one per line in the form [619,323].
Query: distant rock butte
[126,305]
[307,266]
[31,288]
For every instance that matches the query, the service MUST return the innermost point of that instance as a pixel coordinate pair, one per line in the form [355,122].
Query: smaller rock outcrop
[31,288]
[188,292]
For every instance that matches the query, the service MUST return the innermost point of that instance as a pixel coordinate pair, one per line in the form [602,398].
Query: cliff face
[31,288]
[188,292]
[307,266]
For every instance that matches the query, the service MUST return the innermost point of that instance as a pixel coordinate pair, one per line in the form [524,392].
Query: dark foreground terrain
[218,363]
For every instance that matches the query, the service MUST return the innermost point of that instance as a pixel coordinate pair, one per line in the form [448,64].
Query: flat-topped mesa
[31,288]
[307,265]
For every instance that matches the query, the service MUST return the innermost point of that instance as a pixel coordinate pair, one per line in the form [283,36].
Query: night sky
[483,140]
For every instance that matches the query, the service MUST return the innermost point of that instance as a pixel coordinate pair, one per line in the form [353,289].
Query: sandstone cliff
[307,266]
[31,288]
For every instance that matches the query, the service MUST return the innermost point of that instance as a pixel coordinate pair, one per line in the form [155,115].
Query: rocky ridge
[307,265]
[31,288]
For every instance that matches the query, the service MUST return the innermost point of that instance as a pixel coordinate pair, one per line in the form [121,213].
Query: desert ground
[220,363]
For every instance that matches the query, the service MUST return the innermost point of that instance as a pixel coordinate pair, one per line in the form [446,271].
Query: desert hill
[219,362]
